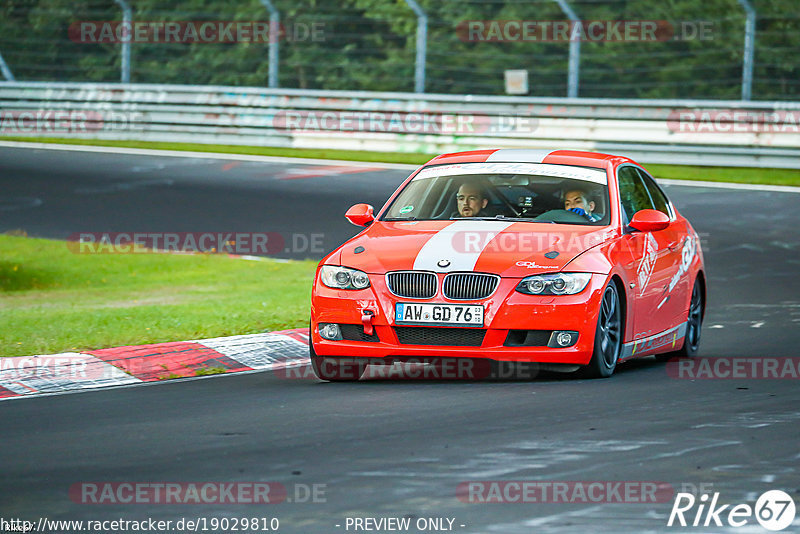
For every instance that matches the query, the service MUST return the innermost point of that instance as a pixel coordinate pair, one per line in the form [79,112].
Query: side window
[632,192]
[659,200]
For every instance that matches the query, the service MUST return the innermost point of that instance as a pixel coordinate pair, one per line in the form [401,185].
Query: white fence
[727,133]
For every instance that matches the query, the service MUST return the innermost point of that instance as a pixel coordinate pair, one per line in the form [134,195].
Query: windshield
[525,191]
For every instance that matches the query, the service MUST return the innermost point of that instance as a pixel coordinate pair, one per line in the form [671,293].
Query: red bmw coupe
[568,259]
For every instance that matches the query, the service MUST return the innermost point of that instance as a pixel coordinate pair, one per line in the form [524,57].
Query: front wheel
[338,369]
[607,337]
[694,323]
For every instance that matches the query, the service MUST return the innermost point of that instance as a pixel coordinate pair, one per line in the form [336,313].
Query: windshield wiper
[393,219]
[499,218]
[495,218]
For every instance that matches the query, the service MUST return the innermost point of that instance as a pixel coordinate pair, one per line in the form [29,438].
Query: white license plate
[438,314]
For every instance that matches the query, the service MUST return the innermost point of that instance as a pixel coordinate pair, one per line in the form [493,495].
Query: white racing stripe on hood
[440,246]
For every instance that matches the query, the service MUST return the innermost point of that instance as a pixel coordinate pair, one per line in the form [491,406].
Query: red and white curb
[69,371]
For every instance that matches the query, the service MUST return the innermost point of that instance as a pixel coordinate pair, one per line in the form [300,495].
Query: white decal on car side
[646,266]
[687,255]
[461,258]
[646,345]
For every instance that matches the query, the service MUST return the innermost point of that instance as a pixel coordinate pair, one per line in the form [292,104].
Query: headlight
[343,277]
[554,284]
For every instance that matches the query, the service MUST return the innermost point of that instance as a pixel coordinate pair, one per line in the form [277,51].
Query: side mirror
[360,214]
[649,221]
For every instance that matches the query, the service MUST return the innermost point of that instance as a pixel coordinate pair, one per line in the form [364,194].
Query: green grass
[741,175]
[677,172]
[53,300]
[207,371]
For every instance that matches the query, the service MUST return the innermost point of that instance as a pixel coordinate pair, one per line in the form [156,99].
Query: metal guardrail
[726,133]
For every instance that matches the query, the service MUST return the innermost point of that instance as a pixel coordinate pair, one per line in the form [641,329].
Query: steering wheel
[561,216]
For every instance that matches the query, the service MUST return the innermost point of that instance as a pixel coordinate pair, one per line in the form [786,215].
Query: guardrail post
[7,74]
[574,51]
[422,46]
[274,35]
[127,18]
[749,49]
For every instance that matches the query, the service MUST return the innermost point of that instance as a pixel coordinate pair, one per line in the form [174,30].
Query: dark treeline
[370,45]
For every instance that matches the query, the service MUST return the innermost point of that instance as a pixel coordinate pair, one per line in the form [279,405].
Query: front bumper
[504,311]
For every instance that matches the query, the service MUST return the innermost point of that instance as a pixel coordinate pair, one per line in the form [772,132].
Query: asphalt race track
[55,194]
[382,448]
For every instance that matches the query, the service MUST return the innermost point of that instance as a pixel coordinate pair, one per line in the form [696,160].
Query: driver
[577,201]
[472,199]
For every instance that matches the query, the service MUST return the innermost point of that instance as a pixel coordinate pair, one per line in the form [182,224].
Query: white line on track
[181,380]
[312,161]
[730,185]
[204,155]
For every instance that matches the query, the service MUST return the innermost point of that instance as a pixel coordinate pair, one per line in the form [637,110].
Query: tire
[694,325]
[607,337]
[338,369]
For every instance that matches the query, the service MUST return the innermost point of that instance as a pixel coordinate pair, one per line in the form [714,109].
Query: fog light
[330,331]
[563,338]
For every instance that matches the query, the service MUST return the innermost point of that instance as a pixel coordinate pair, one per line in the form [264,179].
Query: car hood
[510,249]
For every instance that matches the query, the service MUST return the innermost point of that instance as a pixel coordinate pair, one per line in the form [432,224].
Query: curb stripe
[167,360]
[58,372]
[262,351]
[28,376]
[300,334]
[7,393]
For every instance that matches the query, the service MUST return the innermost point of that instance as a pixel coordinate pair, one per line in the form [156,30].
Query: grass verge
[746,175]
[739,175]
[53,300]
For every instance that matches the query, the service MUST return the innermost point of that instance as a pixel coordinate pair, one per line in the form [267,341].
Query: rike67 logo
[774,510]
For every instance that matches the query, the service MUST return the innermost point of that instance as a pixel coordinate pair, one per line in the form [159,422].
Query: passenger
[577,201]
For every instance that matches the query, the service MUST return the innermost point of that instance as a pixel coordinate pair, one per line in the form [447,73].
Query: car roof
[557,157]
